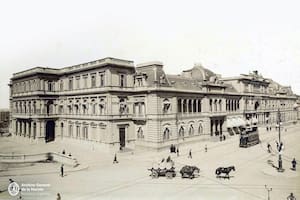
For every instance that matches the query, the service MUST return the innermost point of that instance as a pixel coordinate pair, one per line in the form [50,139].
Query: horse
[225,170]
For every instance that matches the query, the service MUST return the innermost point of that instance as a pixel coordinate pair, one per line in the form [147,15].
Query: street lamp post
[269,190]
[279,145]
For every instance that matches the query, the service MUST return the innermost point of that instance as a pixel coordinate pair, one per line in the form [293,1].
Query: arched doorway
[50,131]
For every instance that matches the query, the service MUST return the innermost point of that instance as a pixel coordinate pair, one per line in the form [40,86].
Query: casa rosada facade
[112,103]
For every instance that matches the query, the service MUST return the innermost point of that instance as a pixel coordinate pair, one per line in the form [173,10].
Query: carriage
[165,168]
[249,136]
[224,170]
[189,171]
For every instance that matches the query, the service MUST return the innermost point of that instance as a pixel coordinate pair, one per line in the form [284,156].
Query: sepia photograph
[154,100]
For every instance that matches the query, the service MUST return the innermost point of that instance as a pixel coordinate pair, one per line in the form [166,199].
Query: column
[24,129]
[221,126]
[187,106]
[216,123]
[196,100]
[211,127]
[181,102]
[20,128]
[27,129]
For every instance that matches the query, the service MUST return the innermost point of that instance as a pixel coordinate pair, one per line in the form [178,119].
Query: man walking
[62,170]
[294,163]
[190,154]
[115,159]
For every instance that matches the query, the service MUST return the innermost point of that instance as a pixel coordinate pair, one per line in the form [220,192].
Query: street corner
[284,173]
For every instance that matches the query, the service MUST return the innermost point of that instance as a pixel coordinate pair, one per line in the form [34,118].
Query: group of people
[280,148]
[64,153]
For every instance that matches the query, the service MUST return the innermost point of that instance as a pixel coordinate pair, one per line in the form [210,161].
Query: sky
[228,37]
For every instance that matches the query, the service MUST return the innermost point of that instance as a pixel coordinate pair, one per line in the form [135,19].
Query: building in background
[118,105]
[4,120]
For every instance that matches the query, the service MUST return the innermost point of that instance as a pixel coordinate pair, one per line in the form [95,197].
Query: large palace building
[112,103]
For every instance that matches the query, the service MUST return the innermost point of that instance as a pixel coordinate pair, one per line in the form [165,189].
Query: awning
[235,122]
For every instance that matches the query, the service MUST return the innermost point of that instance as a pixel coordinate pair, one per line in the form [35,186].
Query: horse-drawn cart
[165,168]
[189,171]
[169,173]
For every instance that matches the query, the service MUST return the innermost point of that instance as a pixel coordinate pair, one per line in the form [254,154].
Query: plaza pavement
[129,179]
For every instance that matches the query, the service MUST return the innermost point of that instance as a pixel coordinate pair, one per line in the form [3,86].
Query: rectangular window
[78,82]
[70,130]
[93,80]
[102,80]
[122,80]
[50,86]
[71,84]
[61,85]
[85,81]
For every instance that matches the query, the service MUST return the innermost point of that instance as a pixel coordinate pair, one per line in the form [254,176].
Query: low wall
[41,157]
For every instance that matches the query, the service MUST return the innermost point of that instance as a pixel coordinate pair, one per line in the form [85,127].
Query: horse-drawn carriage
[189,171]
[164,168]
[224,170]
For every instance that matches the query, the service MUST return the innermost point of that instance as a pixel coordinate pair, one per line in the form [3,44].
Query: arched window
[166,134]
[84,109]
[191,130]
[200,129]
[123,106]
[166,106]
[199,105]
[101,107]
[181,132]
[76,109]
[140,133]
[49,107]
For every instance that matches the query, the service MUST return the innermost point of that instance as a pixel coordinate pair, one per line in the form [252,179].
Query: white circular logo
[13,189]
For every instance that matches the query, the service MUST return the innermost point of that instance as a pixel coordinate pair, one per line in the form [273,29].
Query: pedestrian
[205,148]
[270,128]
[221,138]
[291,197]
[267,128]
[190,154]
[294,163]
[168,159]
[58,197]
[224,137]
[62,170]
[63,152]
[269,147]
[115,159]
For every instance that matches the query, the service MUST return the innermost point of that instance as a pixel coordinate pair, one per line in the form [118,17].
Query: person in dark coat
[177,151]
[115,159]
[205,148]
[63,152]
[58,197]
[269,147]
[190,154]
[291,197]
[294,163]
[62,170]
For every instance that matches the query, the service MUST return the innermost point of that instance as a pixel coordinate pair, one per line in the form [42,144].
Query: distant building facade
[4,120]
[115,104]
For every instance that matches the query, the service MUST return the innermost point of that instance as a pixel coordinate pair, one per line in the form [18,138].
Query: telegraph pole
[279,145]
[269,190]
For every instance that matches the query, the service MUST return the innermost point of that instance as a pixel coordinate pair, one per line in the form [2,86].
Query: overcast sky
[229,37]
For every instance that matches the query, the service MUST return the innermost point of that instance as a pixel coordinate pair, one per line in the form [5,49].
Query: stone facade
[112,103]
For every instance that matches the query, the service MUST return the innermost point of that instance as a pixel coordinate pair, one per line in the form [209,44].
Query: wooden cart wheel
[154,174]
[169,175]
